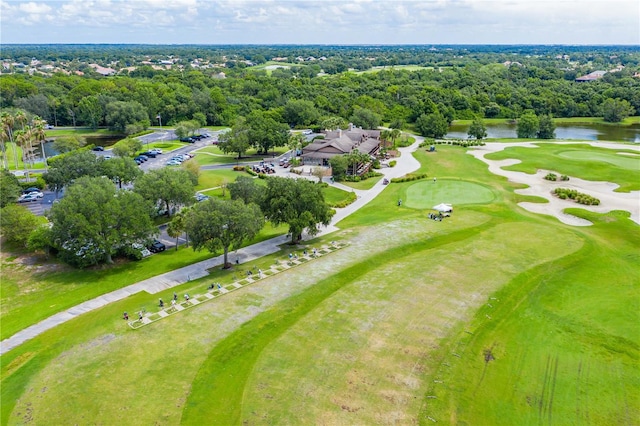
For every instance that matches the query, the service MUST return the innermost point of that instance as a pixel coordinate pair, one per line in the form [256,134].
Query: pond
[91,140]
[591,132]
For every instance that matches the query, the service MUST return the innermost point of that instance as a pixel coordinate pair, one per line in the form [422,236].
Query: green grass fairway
[629,162]
[579,160]
[213,178]
[426,193]
[494,316]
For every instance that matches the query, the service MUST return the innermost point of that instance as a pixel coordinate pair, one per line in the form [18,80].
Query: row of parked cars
[152,153]
[195,138]
[179,159]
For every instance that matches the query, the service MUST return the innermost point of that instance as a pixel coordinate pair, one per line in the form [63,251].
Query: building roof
[338,142]
[595,75]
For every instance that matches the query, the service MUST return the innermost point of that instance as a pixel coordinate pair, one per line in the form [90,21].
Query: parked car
[140,158]
[49,126]
[149,154]
[157,246]
[30,190]
[97,148]
[307,132]
[173,163]
[201,197]
[157,151]
[188,140]
[32,196]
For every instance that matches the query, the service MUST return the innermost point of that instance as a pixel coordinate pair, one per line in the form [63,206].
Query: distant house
[592,76]
[102,70]
[340,142]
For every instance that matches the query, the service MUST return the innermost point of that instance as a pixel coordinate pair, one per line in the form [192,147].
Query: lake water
[590,132]
[105,141]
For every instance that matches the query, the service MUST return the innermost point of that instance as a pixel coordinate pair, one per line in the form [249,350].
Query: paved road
[406,163]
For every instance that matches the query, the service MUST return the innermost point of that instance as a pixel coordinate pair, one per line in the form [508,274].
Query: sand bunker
[538,186]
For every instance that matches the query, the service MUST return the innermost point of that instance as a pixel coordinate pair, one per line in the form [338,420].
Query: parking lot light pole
[159,120]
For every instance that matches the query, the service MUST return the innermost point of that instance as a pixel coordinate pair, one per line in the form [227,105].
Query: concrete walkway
[405,164]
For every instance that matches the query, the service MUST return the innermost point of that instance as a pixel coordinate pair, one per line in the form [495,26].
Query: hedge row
[578,197]
[457,142]
[409,178]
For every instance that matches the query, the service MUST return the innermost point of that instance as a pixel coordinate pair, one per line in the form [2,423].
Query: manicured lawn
[426,193]
[579,160]
[206,158]
[363,184]
[335,196]
[215,178]
[216,128]
[79,131]
[493,316]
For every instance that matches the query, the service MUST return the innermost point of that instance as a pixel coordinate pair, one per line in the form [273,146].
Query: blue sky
[321,22]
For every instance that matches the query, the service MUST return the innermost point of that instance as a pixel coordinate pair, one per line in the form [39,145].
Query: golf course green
[494,316]
[427,193]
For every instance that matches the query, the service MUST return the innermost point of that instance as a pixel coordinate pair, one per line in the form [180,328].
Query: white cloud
[331,21]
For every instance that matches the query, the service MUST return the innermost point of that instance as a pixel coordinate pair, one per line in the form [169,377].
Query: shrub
[409,178]
[251,172]
[39,183]
[564,178]
[578,197]
[392,163]
[240,168]
[551,176]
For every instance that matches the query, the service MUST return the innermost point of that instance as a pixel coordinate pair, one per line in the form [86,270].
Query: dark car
[30,190]
[149,154]
[140,158]
[189,140]
[157,247]
[97,148]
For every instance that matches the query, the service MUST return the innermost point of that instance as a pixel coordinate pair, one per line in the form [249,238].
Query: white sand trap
[540,187]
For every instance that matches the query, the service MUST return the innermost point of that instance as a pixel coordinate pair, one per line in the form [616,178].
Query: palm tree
[394,134]
[8,121]
[23,138]
[385,135]
[38,134]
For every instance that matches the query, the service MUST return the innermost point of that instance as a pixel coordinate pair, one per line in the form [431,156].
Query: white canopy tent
[442,207]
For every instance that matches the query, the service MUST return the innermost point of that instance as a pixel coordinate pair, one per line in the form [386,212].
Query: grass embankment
[578,160]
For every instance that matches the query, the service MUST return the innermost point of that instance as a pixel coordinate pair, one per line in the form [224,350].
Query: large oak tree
[94,221]
[297,202]
[222,225]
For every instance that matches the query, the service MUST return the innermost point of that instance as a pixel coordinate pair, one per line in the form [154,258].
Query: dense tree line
[463,83]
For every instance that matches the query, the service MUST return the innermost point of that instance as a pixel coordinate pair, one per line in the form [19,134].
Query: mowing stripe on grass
[224,375]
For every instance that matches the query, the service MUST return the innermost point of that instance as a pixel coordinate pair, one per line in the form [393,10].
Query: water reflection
[589,132]
[49,150]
